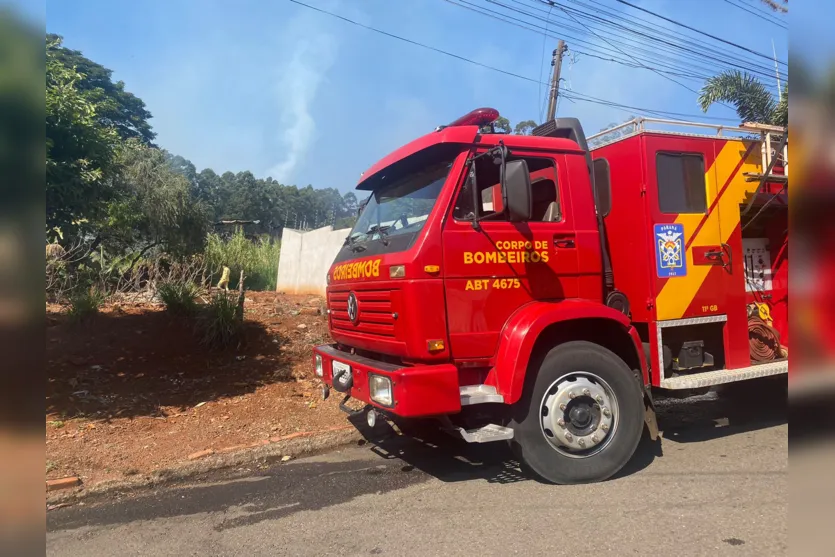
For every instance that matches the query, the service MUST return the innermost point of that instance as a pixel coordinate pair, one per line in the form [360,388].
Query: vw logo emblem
[353,308]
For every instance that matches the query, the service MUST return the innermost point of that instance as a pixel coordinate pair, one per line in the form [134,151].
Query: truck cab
[477,287]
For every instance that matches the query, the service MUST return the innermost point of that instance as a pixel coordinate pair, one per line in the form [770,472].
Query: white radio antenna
[777,70]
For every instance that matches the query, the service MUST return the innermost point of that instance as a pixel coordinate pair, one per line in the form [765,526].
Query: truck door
[492,271]
[693,261]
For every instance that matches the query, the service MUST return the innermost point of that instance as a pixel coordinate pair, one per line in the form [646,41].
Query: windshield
[401,208]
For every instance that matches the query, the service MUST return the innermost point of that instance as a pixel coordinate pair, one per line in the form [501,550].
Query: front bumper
[421,390]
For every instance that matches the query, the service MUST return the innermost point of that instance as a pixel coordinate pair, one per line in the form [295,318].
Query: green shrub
[178,297]
[219,325]
[85,303]
[258,260]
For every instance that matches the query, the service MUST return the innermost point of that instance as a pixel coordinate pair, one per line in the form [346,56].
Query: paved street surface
[715,485]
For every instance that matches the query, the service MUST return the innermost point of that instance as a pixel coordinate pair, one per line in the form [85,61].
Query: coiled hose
[764,341]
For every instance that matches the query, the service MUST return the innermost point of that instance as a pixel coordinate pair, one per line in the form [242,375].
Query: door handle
[727,265]
[564,242]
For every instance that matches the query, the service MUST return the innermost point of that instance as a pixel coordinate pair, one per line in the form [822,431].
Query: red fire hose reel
[764,340]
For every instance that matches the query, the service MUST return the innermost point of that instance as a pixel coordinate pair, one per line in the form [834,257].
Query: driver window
[544,190]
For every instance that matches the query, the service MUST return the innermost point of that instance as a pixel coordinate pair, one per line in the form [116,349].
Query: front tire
[580,417]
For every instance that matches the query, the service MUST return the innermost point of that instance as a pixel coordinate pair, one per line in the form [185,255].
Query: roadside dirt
[132,391]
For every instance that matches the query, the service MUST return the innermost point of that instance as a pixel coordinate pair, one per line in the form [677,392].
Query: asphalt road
[716,484]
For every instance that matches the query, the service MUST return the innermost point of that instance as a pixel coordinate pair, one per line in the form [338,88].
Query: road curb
[203,462]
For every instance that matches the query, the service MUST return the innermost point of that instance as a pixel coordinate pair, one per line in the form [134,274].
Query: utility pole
[556,61]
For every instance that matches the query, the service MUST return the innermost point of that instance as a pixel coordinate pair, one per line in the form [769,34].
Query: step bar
[719,377]
[484,434]
[479,394]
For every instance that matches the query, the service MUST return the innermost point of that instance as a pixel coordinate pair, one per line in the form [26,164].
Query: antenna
[777,70]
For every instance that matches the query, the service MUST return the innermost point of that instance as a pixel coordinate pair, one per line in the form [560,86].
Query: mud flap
[649,417]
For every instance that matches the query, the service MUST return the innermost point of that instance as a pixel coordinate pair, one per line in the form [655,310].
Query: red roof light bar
[478,117]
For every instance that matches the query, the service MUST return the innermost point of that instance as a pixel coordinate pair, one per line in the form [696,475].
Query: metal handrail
[640,125]
[763,130]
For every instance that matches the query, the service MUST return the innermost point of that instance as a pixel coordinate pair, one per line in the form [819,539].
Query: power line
[574,94]
[410,41]
[637,62]
[700,53]
[636,65]
[686,73]
[630,28]
[714,37]
[595,100]
[626,23]
[537,29]
[625,54]
[660,74]
[757,14]
[602,49]
[633,21]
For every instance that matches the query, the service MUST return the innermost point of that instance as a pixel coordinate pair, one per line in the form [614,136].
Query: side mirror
[516,191]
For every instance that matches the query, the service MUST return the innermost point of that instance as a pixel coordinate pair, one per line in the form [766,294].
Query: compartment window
[681,183]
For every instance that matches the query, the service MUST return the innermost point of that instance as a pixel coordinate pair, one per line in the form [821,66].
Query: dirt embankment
[132,390]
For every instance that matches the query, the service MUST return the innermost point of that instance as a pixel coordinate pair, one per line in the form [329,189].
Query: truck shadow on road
[692,421]
[713,416]
[448,459]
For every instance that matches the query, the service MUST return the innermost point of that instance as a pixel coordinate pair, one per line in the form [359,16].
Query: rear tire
[580,417]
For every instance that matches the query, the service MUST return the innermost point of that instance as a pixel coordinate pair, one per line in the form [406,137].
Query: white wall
[306,257]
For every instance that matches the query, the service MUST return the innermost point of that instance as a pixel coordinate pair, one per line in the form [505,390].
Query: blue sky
[284,91]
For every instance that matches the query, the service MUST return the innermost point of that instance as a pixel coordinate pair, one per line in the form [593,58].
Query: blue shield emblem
[670,256]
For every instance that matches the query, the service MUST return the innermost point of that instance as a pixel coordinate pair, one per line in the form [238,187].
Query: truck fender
[519,336]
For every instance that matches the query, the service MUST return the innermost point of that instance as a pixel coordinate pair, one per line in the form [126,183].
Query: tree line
[109,185]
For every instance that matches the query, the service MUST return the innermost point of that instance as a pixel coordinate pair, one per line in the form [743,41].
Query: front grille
[375,312]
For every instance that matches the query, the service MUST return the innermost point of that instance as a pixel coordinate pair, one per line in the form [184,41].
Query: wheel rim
[579,414]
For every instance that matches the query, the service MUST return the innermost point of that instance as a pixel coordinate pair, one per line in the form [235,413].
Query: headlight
[379,388]
[319,367]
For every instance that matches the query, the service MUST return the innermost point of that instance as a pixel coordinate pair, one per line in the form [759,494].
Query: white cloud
[312,53]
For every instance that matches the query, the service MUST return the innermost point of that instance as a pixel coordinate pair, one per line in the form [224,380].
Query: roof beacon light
[478,117]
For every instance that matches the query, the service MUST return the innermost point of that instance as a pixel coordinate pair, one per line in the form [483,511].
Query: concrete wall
[306,257]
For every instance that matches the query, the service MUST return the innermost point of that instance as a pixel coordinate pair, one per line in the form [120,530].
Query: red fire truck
[531,290]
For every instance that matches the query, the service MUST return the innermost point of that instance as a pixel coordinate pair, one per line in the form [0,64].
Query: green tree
[502,125]
[115,107]
[752,100]
[183,166]
[525,127]
[151,206]
[349,201]
[80,151]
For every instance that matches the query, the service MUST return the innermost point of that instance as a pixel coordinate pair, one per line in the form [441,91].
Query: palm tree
[752,100]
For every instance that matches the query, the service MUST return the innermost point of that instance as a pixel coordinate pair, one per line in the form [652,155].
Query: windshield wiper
[382,231]
[351,242]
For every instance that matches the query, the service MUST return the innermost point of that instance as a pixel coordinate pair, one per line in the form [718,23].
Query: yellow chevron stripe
[677,293]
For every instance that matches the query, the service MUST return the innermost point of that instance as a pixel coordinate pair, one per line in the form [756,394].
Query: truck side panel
[625,223]
[710,277]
